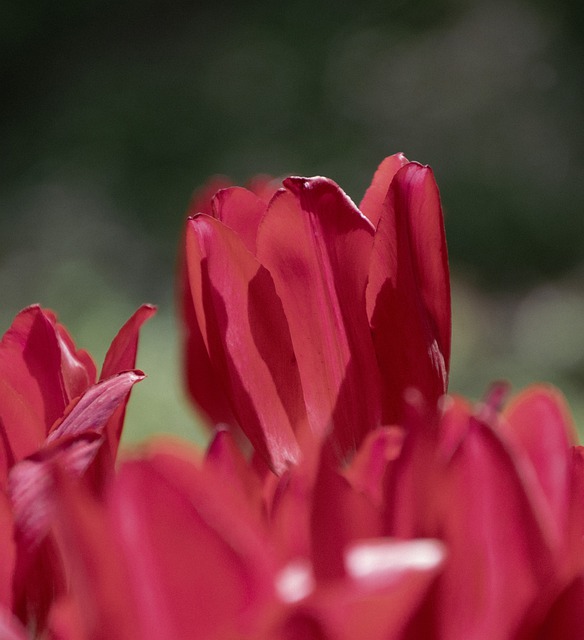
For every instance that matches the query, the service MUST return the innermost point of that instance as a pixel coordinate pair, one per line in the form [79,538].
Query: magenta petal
[247,338]
[408,293]
[240,210]
[121,356]
[316,245]
[372,203]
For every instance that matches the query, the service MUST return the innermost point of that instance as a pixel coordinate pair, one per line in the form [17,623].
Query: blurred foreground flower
[53,412]
[343,495]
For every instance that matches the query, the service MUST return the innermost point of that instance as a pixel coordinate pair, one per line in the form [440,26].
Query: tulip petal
[32,392]
[95,407]
[372,203]
[386,581]
[95,565]
[498,558]
[199,569]
[240,210]
[340,515]
[537,422]
[316,245]
[121,355]
[10,627]
[247,338]
[408,293]
[7,551]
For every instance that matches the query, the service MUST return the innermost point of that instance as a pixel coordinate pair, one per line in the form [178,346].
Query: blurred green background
[112,113]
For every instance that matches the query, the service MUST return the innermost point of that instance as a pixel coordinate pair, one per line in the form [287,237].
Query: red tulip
[308,317]
[505,493]
[184,548]
[53,411]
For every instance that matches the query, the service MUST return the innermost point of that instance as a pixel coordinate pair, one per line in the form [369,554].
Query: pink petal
[240,210]
[372,203]
[247,338]
[408,293]
[316,244]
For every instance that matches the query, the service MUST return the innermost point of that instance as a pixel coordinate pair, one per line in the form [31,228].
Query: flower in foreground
[53,411]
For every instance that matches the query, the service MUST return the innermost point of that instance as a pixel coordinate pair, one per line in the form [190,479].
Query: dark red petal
[32,392]
[372,202]
[408,293]
[247,338]
[316,245]
[240,210]
[203,385]
[121,355]
[7,551]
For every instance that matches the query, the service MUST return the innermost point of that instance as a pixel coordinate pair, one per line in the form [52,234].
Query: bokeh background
[112,113]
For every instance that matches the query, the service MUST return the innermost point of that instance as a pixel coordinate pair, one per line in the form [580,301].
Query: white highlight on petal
[295,581]
[377,558]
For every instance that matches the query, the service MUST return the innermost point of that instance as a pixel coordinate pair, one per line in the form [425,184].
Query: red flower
[308,316]
[52,411]
[505,492]
[203,556]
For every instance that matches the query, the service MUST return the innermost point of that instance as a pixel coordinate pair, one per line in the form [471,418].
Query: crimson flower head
[54,410]
[307,316]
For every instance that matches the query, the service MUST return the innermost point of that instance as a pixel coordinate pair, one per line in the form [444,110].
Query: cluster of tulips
[343,495]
